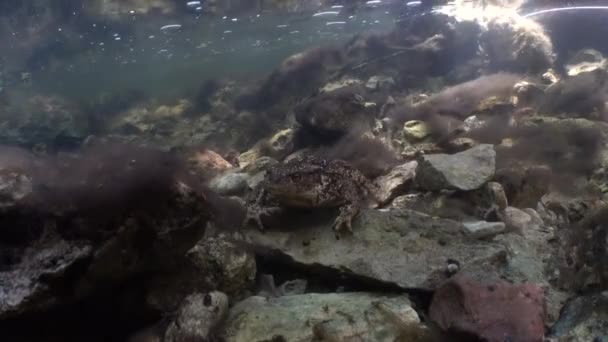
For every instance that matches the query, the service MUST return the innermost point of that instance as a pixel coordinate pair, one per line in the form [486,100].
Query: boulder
[483,229]
[492,312]
[214,263]
[229,183]
[29,286]
[586,60]
[396,182]
[517,220]
[416,130]
[402,247]
[198,318]
[515,43]
[45,122]
[208,163]
[228,268]
[325,317]
[380,83]
[335,112]
[465,171]
[281,144]
[583,319]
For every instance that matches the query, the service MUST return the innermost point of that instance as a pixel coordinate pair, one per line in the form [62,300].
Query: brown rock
[397,182]
[497,312]
[525,185]
[208,163]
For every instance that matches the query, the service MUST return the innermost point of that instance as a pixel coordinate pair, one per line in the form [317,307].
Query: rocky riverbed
[444,181]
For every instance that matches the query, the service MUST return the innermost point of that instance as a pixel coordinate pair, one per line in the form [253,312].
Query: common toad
[312,182]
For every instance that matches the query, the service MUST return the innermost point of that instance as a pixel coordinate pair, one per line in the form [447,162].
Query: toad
[312,182]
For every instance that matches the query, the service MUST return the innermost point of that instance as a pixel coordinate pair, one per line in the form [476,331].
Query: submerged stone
[494,312]
[467,170]
[325,317]
[403,247]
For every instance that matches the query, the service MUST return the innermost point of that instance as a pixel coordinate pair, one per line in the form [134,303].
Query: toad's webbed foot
[344,220]
[255,213]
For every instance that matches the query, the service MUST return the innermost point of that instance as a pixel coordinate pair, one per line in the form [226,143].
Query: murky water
[303,170]
[165,56]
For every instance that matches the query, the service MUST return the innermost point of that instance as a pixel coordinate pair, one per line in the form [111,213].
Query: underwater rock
[14,186]
[46,122]
[229,183]
[380,83]
[208,164]
[467,170]
[325,317]
[463,305]
[517,220]
[582,96]
[280,145]
[527,94]
[332,113]
[93,223]
[227,267]
[583,319]
[329,87]
[259,165]
[584,244]
[483,229]
[518,44]
[299,74]
[396,182]
[154,242]
[213,264]
[416,130]
[198,318]
[524,186]
[485,203]
[571,148]
[532,257]
[586,60]
[31,285]
[472,123]
[397,246]
[289,288]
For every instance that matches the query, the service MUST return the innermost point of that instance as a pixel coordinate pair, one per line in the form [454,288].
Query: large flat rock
[467,170]
[324,317]
[403,247]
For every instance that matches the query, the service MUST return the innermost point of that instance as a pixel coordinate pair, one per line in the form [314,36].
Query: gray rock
[396,182]
[402,247]
[157,245]
[528,261]
[516,43]
[14,186]
[27,286]
[583,319]
[291,287]
[281,144]
[472,122]
[517,220]
[228,184]
[214,263]
[198,317]
[584,61]
[229,268]
[379,82]
[324,317]
[466,171]
[483,229]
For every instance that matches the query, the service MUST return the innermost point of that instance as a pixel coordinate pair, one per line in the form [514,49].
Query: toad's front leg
[344,220]
[255,213]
